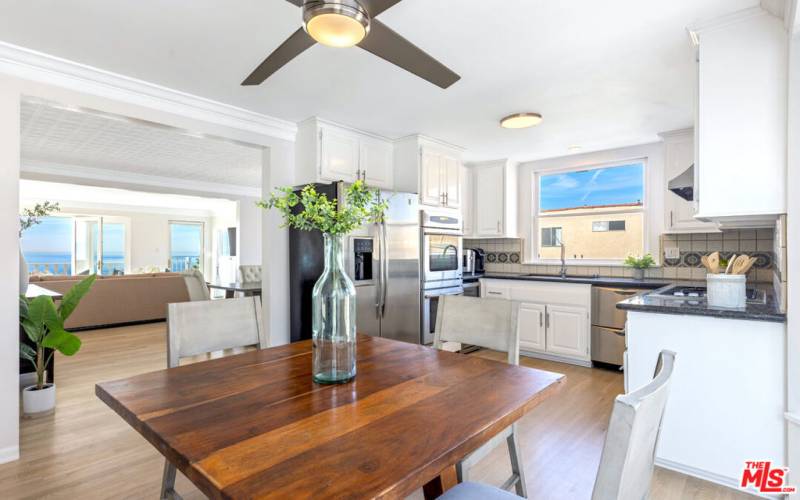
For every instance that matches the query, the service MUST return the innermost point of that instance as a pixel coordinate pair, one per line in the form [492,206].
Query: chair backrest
[196,285]
[488,323]
[201,327]
[626,465]
[250,273]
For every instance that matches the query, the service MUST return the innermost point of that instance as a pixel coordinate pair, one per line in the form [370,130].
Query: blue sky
[53,235]
[601,186]
[185,239]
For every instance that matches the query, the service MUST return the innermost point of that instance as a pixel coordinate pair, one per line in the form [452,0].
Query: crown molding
[44,68]
[59,172]
[696,29]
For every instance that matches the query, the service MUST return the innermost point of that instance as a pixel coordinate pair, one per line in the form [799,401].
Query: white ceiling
[65,136]
[603,73]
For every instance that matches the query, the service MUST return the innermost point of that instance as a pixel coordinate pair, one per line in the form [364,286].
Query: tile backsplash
[505,255]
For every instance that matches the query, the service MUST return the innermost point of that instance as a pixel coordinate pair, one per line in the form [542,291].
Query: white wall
[793,259]
[249,236]
[654,187]
[9,270]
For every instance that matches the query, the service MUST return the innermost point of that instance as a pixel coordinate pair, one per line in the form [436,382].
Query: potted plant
[639,264]
[43,323]
[31,217]
[334,295]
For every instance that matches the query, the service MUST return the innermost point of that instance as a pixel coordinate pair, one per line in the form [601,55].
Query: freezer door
[604,305]
[400,256]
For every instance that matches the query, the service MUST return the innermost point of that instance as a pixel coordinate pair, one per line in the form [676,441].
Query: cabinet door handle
[494,293]
[498,226]
[364,175]
[547,320]
[446,197]
[541,323]
[671,223]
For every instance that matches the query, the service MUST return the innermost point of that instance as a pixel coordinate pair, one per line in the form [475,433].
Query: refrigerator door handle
[384,267]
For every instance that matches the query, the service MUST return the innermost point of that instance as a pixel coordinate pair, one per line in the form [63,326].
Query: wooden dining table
[255,425]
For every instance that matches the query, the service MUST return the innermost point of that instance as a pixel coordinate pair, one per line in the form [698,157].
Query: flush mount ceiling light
[521,120]
[336,23]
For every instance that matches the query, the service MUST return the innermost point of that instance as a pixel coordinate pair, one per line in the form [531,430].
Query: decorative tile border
[693,259]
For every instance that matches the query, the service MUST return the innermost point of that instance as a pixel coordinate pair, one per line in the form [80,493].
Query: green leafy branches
[43,323]
[32,216]
[361,206]
[640,262]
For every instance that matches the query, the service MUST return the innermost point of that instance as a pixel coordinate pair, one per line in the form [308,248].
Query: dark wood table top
[254,425]
[236,286]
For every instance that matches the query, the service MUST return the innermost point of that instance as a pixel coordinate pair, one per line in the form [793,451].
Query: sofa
[117,300]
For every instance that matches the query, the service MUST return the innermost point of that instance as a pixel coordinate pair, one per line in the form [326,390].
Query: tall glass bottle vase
[334,319]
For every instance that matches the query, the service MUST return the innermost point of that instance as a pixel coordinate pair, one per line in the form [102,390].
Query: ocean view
[61,263]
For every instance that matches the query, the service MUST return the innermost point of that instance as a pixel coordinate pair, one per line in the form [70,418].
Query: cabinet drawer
[496,292]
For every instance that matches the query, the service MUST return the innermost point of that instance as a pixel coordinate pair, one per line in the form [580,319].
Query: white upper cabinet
[375,161]
[468,203]
[741,118]
[339,155]
[494,186]
[327,152]
[678,157]
[431,168]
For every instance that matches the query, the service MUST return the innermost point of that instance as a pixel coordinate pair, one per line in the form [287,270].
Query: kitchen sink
[556,276]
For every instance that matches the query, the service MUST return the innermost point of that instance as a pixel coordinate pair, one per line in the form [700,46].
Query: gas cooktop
[684,292]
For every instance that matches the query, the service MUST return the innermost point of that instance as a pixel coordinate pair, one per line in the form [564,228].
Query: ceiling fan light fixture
[339,23]
[521,120]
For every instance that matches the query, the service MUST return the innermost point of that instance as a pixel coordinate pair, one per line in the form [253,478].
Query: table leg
[441,483]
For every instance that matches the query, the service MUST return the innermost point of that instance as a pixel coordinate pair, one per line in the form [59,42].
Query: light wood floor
[85,451]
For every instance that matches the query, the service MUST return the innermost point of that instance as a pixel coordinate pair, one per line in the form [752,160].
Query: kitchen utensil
[713,262]
[729,268]
[740,263]
[751,261]
[704,260]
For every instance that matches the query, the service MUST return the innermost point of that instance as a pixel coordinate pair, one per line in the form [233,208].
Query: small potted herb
[639,264]
[43,323]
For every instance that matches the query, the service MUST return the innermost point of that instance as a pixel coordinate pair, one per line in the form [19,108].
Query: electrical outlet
[672,253]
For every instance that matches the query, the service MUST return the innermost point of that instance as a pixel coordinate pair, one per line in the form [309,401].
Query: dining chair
[196,285]
[491,324]
[628,458]
[249,273]
[203,327]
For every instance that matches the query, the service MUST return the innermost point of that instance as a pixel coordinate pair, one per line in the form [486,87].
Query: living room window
[597,212]
[186,245]
[47,247]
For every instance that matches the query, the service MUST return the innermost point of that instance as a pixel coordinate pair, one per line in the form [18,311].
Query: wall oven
[441,247]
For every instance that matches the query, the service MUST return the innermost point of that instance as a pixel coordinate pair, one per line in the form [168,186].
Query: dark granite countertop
[650,302]
[587,280]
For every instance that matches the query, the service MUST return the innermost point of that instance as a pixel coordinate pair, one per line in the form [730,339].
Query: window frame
[535,233]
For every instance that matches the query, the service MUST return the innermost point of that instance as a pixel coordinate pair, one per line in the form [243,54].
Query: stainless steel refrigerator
[381,259]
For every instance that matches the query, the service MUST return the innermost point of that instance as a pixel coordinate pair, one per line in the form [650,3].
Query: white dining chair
[249,273]
[196,285]
[491,324]
[628,458]
[203,327]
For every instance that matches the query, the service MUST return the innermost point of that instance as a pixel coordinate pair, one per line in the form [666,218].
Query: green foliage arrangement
[44,325]
[640,262]
[32,216]
[361,206]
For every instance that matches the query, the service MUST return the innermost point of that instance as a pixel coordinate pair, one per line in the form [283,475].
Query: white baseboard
[555,357]
[9,454]
[711,477]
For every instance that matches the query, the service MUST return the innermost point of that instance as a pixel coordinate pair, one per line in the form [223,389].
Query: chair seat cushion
[477,491]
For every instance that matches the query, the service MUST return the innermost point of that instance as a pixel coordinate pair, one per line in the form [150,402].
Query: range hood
[683,185]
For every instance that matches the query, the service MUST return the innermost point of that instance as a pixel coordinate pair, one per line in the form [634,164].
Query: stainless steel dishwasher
[608,323]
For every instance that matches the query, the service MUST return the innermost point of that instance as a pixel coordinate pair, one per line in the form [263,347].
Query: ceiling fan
[345,23]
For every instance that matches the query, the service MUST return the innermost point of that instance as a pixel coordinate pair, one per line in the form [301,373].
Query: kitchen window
[597,212]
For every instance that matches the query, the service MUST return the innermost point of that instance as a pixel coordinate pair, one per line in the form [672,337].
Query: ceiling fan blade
[374,7]
[388,45]
[288,50]
[299,3]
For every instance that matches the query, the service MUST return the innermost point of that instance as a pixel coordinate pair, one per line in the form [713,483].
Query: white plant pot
[38,403]
[23,274]
[638,274]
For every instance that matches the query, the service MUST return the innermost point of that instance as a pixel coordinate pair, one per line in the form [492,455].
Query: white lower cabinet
[566,330]
[552,318]
[531,327]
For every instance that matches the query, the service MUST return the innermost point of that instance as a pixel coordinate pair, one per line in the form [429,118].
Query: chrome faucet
[563,261]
